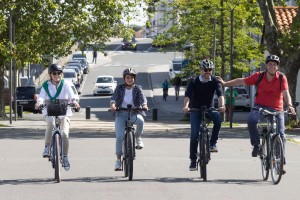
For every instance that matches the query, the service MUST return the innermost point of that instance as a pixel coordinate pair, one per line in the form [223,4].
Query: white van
[175,67]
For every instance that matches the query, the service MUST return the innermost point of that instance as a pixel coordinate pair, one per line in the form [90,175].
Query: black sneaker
[193,165]
[255,151]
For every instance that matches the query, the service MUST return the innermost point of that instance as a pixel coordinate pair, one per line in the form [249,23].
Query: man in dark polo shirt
[270,94]
[200,92]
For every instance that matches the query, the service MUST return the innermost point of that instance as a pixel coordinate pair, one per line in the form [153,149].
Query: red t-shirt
[268,92]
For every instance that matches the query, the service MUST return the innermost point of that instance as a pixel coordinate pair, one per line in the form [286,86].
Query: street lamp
[231,54]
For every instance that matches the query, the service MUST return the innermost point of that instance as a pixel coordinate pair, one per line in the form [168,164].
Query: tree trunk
[2,105]
[292,75]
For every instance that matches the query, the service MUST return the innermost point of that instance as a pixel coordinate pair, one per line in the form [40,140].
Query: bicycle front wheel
[125,163]
[264,159]
[276,159]
[203,147]
[56,157]
[130,154]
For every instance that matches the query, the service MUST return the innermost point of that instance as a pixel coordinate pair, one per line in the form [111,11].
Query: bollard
[154,114]
[88,112]
[20,111]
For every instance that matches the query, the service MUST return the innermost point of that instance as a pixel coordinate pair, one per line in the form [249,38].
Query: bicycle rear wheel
[264,159]
[56,157]
[276,159]
[130,154]
[203,156]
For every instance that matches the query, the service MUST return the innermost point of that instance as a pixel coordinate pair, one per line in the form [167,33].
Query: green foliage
[193,23]
[44,29]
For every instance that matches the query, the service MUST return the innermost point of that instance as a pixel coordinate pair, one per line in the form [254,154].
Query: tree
[193,23]
[50,28]
[284,43]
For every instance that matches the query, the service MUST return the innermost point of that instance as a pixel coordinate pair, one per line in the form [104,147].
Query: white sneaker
[139,143]
[118,165]
[65,163]
[46,153]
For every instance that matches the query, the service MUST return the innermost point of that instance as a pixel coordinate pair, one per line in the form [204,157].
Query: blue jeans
[255,117]
[120,120]
[195,118]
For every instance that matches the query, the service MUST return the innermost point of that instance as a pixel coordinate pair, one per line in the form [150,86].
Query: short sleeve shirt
[268,92]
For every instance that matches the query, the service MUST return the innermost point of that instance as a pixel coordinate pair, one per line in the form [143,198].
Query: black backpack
[261,75]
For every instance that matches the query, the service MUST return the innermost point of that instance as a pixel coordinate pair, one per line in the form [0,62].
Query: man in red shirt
[270,94]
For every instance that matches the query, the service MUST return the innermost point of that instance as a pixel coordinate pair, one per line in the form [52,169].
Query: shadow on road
[122,178]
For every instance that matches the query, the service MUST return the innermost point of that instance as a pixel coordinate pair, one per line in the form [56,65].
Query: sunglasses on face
[207,70]
[56,73]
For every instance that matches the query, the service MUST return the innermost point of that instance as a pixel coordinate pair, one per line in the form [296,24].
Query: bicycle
[165,94]
[56,108]
[271,146]
[129,141]
[203,141]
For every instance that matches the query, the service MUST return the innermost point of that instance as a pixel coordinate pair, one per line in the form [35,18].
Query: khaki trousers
[65,128]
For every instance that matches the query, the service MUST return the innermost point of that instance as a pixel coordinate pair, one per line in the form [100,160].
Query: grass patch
[7,109]
[227,124]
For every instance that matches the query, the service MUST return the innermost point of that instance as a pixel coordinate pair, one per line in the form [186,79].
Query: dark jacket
[139,98]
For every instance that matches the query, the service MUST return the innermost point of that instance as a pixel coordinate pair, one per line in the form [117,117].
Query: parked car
[78,55]
[71,76]
[129,44]
[104,85]
[78,72]
[76,97]
[242,101]
[84,63]
[79,66]
[27,97]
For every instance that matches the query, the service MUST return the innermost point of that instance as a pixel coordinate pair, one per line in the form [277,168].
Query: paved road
[161,169]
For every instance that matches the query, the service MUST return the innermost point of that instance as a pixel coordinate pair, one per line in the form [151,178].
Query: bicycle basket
[57,107]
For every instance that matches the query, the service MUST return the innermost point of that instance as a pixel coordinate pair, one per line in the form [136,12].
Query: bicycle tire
[264,158]
[203,157]
[276,159]
[130,156]
[125,163]
[57,157]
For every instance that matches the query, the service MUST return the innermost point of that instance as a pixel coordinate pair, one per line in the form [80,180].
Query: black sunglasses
[207,70]
[56,73]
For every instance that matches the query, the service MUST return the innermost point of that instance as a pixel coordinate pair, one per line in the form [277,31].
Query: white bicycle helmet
[206,64]
[273,58]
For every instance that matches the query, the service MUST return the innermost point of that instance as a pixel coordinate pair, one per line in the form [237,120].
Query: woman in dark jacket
[127,93]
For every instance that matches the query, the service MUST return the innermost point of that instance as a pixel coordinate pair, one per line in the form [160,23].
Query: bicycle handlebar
[41,106]
[205,109]
[267,112]
[130,109]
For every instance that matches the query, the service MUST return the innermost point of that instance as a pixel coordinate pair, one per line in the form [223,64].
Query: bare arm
[234,82]
[288,100]
[186,102]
